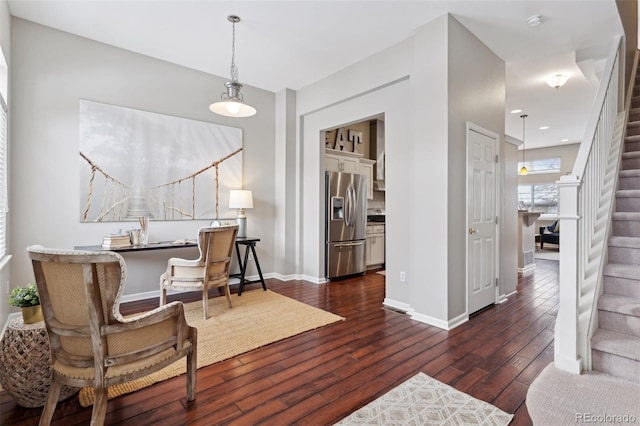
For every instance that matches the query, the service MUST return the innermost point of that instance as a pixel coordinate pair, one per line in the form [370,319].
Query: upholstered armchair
[210,270]
[550,234]
[91,343]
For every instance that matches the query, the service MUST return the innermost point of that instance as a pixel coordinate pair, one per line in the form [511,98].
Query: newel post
[566,352]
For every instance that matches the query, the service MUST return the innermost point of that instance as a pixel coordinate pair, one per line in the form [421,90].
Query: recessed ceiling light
[534,20]
[516,111]
[564,140]
[544,127]
[557,80]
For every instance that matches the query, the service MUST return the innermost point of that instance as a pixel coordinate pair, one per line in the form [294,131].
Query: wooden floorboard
[321,376]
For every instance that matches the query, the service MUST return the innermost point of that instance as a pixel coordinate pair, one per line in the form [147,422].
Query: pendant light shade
[523,169]
[232,103]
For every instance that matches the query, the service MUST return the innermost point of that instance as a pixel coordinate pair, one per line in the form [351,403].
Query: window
[538,197]
[4,203]
[542,165]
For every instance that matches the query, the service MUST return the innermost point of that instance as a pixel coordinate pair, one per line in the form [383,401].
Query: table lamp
[241,199]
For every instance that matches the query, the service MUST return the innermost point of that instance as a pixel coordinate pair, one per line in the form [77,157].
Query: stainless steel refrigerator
[345,225]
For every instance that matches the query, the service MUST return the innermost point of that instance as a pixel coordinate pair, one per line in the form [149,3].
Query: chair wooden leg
[205,302]
[228,293]
[52,401]
[192,369]
[99,407]
[163,296]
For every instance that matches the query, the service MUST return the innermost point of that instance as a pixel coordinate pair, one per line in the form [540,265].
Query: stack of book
[116,241]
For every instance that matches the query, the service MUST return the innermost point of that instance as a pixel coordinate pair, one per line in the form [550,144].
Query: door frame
[472,127]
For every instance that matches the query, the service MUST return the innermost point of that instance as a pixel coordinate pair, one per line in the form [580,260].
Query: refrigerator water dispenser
[337,208]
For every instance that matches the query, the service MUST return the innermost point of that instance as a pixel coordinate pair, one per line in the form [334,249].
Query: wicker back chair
[210,270]
[91,343]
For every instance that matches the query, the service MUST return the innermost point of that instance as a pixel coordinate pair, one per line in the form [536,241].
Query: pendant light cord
[234,69]
[523,116]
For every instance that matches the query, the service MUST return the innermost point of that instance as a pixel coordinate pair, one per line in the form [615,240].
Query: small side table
[249,243]
[25,359]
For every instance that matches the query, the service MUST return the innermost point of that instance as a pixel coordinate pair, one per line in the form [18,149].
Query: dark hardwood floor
[321,376]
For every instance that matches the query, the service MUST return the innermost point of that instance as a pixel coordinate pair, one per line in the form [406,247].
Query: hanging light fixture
[232,103]
[523,170]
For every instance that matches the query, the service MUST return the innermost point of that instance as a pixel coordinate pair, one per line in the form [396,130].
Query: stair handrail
[579,201]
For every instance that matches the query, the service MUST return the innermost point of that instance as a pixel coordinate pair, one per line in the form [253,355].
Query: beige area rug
[257,318]
[382,272]
[423,400]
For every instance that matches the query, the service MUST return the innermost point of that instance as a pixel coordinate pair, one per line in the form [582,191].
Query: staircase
[616,343]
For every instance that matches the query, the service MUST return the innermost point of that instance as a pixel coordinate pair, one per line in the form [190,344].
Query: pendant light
[232,103]
[523,170]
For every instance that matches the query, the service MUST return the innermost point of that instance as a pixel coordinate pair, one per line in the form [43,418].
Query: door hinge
[496,159]
[496,282]
[496,221]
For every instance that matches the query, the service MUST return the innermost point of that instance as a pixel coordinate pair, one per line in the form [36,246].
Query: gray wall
[431,82]
[476,93]
[51,71]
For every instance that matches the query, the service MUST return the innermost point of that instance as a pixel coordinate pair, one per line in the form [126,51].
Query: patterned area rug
[422,400]
[256,319]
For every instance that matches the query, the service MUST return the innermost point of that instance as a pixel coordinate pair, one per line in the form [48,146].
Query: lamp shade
[240,199]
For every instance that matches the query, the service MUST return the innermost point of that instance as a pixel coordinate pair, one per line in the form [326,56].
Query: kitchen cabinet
[342,161]
[375,244]
[366,169]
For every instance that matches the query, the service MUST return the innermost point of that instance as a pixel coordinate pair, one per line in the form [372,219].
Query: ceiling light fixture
[535,20]
[557,80]
[523,170]
[543,127]
[516,111]
[232,103]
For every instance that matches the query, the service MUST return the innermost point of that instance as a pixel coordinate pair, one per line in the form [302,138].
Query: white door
[481,230]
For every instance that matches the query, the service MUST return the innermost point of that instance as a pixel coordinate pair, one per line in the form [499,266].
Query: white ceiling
[291,44]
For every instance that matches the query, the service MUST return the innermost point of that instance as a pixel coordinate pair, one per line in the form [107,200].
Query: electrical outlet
[403,277]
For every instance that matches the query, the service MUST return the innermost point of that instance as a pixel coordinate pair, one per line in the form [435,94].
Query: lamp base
[242,226]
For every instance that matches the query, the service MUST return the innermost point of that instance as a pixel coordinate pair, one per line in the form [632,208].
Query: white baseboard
[445,325]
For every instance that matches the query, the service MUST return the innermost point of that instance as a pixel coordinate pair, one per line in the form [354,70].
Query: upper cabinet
[342,161]
[350,162]
[366,169]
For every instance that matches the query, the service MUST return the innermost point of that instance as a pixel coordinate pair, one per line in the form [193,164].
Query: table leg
[255,257]
[243,269]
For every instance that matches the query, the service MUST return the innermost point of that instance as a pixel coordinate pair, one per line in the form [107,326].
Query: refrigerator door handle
[348,207]
[354,244]
[350,201]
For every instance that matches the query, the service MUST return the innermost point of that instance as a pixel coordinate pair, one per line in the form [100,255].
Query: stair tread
[629,173]
[626,216]
[628,193]
[620,344]
[630,154]
[627,242]
[634,123]
[621,270]
[619,304]
[632,138]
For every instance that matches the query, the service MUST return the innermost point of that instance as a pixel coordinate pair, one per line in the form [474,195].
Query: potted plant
[27,298]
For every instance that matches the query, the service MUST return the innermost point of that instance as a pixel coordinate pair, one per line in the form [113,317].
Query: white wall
[51,71]
[5,42]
